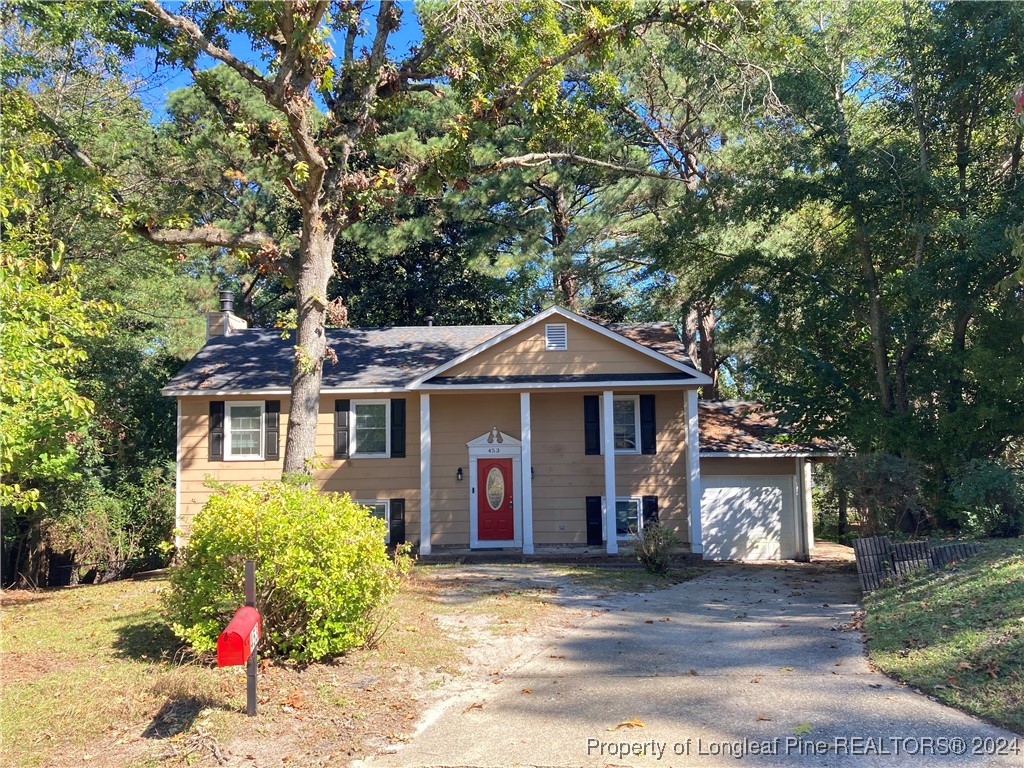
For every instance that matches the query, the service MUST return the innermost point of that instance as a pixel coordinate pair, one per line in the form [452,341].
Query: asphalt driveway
[749,665]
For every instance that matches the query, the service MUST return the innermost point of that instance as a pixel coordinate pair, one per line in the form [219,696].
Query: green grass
[86,661]
[91,675]
[958,634]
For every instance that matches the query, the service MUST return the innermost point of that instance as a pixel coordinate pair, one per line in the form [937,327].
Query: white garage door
[748,518]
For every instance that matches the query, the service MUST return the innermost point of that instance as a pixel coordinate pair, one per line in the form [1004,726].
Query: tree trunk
[564,276]
[844,524]
[876,321]
[315,267]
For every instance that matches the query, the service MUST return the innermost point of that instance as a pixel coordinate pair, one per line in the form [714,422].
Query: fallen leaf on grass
[964,665]
[294,700]
[633,722]
[474,705]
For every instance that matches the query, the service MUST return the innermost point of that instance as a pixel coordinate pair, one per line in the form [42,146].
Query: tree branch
[536,159]
[210,236]
[207,235]
[71,147]
[200,42]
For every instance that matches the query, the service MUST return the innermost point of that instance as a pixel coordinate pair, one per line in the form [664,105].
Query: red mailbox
[240,638]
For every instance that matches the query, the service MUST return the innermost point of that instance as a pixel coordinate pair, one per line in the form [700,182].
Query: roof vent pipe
[430,321]
[227,301]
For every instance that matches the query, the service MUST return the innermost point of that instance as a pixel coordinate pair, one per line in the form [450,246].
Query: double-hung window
[382,509]
[371,432]
[244,422]
[626,423]
[629,518]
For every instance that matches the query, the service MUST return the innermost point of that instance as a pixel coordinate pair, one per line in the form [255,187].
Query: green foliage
[323,575]
[111,531]
[43,322]
[885,490]
[989,499]
[654,548]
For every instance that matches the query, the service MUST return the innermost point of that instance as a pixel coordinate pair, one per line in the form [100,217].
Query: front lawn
[91,675]
[958,634]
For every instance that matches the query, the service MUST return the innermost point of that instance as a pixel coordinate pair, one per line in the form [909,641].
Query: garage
[755,501]
[749,518]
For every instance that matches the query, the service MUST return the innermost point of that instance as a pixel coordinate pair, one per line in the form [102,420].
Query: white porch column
[693,472]
[608,436]
[424,473]
[526,503]
[806,484]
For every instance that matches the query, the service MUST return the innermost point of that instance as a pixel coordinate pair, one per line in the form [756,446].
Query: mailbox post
[238,642]
[250,670]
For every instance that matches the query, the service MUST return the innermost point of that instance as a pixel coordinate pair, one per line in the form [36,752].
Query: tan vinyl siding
[364,479]
[738,466]
[588,352]
[196,466]
[454,421]
[563,474]
[370,479]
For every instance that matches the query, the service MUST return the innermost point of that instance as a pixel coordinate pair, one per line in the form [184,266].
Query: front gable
[531,352]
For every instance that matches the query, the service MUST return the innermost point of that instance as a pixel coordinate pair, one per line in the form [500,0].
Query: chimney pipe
[430,321]
[227,301]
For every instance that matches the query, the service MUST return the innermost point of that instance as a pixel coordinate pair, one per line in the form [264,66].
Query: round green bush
[323,573]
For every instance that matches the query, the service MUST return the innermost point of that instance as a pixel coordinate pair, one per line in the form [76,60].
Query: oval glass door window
[495,488]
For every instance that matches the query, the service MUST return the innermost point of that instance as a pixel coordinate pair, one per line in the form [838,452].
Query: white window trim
[387,513]
[228,405]
[639,518]
[548,328]
[352,430]
[636,425]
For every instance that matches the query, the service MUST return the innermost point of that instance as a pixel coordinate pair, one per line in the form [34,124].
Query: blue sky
[159,81]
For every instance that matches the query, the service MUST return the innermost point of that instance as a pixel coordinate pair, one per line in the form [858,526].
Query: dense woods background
[824,197]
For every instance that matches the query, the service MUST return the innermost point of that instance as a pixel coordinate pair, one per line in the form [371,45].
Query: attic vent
[557,336]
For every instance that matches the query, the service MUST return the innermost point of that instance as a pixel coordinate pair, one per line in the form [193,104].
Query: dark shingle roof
[367,357]
[260,359]
[736,426]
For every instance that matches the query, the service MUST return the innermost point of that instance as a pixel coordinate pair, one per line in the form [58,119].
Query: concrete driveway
[745,665]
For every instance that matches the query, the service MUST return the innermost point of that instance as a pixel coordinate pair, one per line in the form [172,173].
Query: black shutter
[397,521]
[648,436]
[272,430]
[341,409]
[217,430]
[649,510]
[398,428]
[594,538]
[591,425]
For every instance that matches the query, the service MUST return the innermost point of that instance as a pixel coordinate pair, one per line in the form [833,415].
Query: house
[502,436]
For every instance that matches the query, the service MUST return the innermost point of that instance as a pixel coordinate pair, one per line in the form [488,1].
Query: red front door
[494,500]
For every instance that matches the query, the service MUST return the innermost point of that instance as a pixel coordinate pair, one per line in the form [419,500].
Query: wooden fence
[880,562]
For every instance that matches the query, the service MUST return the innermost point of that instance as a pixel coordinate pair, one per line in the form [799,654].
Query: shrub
[654,548]
[988,498]
[322,570]
[885,492]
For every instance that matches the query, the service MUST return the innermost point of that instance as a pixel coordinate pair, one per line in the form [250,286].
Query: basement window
[557,336]
[382,509]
